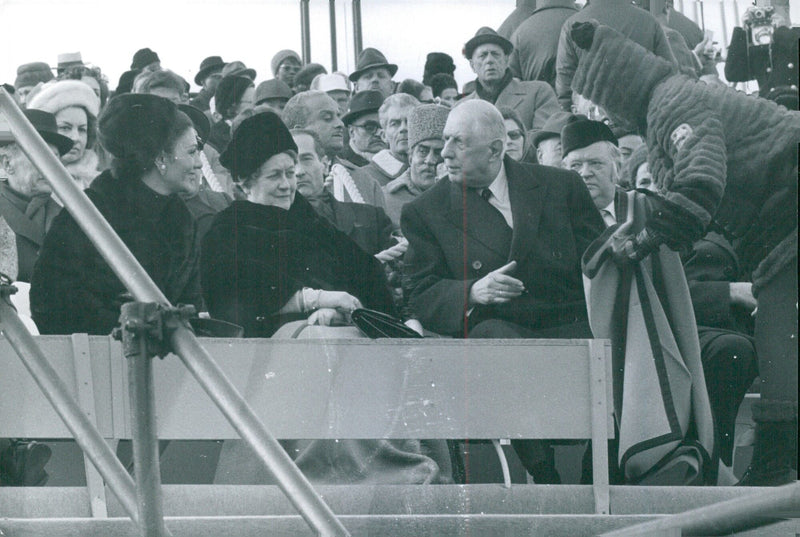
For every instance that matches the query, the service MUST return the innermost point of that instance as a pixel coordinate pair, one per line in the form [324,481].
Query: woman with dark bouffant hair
[155,158]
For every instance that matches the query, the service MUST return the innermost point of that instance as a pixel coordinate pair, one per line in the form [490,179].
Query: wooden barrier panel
[345,389]
[333,389]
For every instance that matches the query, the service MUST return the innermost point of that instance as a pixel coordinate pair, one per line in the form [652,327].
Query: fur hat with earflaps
[616,73]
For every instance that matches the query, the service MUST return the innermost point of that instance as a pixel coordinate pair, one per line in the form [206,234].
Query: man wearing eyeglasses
[388,164]
[364,129]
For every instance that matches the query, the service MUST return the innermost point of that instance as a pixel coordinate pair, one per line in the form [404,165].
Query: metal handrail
[726,518]
[184,343]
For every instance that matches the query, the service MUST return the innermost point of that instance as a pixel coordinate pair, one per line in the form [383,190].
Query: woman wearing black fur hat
[156,157]
[271,259]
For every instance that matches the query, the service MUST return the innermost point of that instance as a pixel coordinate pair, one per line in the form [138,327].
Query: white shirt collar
[609,214]
[499,186]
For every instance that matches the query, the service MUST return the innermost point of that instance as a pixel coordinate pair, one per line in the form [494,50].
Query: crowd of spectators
[463,213]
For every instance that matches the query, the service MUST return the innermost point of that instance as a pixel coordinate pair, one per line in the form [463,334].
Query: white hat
[331,82]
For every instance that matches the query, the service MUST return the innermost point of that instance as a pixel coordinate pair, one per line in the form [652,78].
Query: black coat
[366,224]
[456,237]
[74,290]
[255,257]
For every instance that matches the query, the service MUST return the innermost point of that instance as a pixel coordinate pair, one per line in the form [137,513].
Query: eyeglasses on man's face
[371,127]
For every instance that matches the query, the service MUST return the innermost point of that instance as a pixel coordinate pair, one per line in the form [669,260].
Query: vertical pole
[357,41]
[334,55]
[143,417]
[305,31]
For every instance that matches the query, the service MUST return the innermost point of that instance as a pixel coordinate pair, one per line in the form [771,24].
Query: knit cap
[619,75]
[426,122]
[30,74]
[282,56]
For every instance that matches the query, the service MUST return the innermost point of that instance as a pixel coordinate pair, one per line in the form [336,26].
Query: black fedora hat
[45,125]
[362,103]
[255,141]
[486,35]
[580,132]
[201,123]
[371,58]
[207,67]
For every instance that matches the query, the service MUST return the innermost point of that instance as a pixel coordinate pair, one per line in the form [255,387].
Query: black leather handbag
[376,324]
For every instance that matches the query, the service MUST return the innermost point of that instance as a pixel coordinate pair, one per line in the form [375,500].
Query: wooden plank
[389,389]
[599,358]
[24,410]
[84,385]
[335,389]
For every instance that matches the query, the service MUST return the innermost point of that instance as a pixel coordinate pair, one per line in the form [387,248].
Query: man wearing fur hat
[714,152]
[488,55]
[425,142]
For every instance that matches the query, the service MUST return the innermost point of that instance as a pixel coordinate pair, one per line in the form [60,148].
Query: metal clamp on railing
[197,360]
[152,321]
[145,330]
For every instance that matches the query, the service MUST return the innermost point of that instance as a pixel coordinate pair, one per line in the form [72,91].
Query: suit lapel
[527,193]
[344,218]
[480,221]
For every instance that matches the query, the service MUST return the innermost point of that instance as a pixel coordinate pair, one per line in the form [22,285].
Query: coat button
[476,265]
[260,318]
[557,254]
[769,69]
[790,65]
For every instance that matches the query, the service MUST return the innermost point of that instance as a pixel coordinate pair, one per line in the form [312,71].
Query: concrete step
[373,525]
[240,500]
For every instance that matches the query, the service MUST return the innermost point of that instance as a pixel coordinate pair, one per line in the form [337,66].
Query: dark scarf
[492,96]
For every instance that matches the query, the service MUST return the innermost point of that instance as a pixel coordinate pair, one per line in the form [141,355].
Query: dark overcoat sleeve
[439,301]
[72,288]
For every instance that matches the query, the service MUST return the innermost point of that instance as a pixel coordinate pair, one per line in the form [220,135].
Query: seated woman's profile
[271,258]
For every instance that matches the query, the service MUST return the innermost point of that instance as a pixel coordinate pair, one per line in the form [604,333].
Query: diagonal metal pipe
[730,517]
[86,434]
[184,343]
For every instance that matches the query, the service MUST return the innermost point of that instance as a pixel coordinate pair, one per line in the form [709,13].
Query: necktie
[486,194]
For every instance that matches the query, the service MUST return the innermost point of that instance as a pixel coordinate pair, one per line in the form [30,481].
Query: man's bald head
[482,118]
[474,139]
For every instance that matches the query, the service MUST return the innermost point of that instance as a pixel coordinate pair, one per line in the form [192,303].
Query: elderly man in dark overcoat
[495,247]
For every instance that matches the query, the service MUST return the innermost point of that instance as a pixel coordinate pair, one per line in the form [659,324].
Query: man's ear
[496,147]
[5,164]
